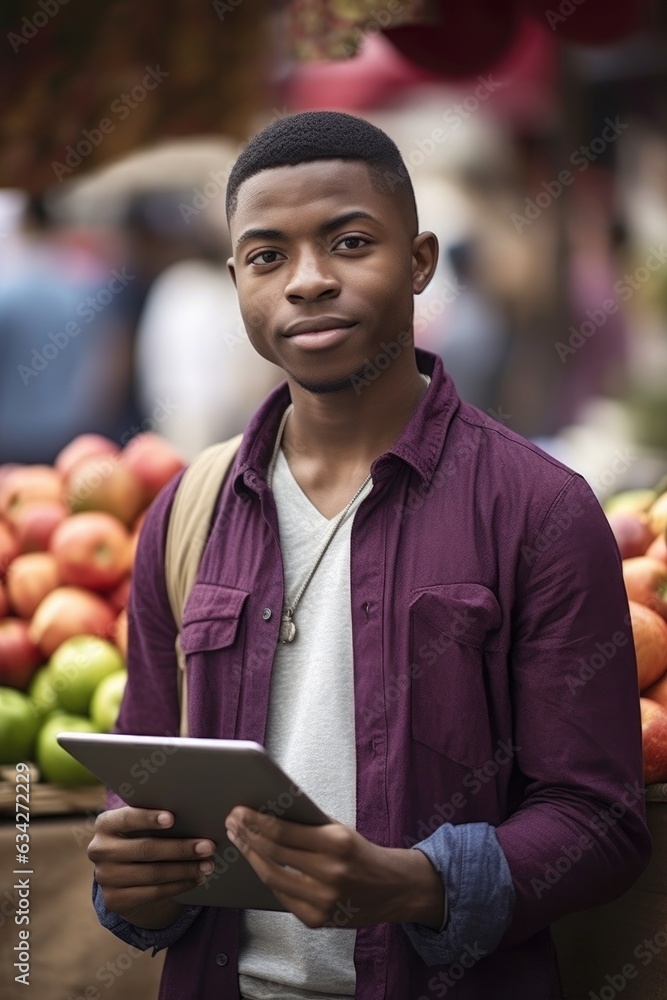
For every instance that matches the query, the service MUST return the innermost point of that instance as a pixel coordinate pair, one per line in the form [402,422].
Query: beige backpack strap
[189,523]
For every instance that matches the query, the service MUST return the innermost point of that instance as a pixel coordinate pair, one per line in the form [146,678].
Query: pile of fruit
[68,534]
[638,519]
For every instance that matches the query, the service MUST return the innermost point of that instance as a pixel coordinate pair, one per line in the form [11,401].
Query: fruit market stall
[67,540]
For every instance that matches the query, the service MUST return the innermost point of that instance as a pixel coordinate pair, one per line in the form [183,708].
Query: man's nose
[312,278]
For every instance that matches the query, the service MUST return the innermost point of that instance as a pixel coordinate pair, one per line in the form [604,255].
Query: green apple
[54,763]
[42,693]
[77,667]
[18,725]
[105,703]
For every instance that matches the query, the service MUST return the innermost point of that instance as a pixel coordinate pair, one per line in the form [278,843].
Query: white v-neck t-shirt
[311,734]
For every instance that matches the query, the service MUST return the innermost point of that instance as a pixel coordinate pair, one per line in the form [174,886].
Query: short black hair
[322,135]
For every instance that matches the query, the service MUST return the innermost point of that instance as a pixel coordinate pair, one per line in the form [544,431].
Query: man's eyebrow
[278,234]
[341,220]
[260,234]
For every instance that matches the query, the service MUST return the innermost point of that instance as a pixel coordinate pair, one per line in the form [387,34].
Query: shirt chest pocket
[453,628]
[211,617]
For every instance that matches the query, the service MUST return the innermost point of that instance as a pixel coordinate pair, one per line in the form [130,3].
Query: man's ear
[232,270]
[424,260]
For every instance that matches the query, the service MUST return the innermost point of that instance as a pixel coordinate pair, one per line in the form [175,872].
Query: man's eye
[357,242]
[265,257]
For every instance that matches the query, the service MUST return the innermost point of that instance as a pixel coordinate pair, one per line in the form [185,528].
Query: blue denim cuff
[143,938]
[478,890]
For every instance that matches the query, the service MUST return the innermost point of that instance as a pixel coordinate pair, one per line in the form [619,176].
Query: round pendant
[287,629]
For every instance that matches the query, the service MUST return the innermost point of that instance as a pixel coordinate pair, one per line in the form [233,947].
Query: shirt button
[266,614]
[221,959]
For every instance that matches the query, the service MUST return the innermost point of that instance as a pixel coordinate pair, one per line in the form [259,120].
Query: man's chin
[325,385]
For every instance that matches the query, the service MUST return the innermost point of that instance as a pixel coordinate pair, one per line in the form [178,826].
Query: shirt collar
[420,443]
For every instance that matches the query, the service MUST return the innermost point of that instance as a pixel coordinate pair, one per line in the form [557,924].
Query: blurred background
[535,137]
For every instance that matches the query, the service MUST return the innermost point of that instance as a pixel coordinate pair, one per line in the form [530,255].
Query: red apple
[34,523]
[650,637]
[153,460]
[104,484]
[119,632]
[646,582]
[92,550]
[9,547]
[27,484]
[4,601]
[83,446]
[658,691]
[19,654]
[69,611]
[121,594]
[654,738]
[658,549]
[29,579]
[632,532]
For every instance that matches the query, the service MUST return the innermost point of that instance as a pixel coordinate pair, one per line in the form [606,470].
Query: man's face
[325,269]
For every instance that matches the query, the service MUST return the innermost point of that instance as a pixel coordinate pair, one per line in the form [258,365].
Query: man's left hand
[331,876]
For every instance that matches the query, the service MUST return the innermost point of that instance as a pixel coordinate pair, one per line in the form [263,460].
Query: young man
[401,599]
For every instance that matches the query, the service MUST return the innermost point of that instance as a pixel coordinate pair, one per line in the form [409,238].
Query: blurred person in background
[192,350]
[594,350]
[65,355]
[475,340]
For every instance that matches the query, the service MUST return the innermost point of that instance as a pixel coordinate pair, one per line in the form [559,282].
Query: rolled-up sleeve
[143,938]
[478,890]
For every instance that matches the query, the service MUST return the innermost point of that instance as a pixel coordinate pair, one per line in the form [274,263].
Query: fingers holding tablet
[140,873]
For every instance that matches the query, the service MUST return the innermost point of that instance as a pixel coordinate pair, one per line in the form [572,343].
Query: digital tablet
[199,781]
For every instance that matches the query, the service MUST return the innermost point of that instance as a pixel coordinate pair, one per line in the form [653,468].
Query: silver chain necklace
[287,626]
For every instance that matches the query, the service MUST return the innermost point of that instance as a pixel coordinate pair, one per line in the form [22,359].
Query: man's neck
[331,439]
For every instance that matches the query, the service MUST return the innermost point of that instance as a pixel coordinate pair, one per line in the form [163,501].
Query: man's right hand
[140,875]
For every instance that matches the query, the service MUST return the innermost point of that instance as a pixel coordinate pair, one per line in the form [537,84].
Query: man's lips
[314,334]
[322,324]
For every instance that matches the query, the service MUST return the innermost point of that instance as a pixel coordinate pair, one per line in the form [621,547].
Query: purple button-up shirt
[494,678]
